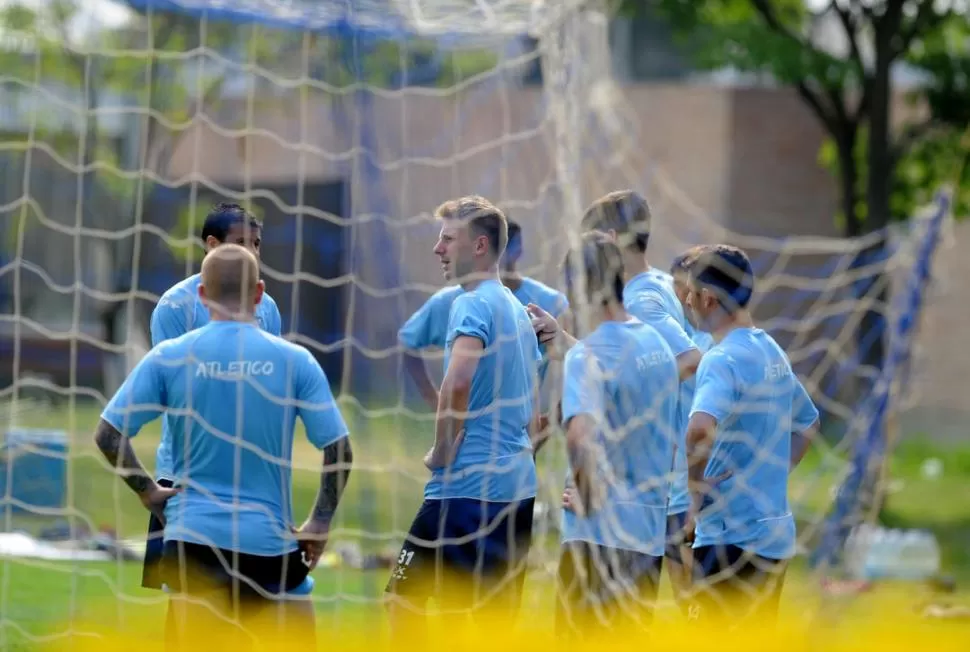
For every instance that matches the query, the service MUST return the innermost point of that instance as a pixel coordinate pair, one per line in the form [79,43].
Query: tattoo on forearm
[337,460]
[118,451]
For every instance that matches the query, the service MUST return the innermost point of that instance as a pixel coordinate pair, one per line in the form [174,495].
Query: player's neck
[634,266]
[614,312]
[740,319]
[478,278]
[222,314]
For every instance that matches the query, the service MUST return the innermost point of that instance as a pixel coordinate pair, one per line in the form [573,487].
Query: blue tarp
[871,447]
[379,18]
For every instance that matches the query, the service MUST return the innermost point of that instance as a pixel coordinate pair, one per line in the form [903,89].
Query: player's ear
[260,290]
[211,242]
[481,245]
[202,295]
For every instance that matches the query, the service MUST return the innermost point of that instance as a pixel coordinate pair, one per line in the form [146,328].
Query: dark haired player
[750,424]
[468,544]
[181,310]
[620,414]
[232,393]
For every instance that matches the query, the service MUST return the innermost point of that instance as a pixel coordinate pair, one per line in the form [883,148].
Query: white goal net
[341,125]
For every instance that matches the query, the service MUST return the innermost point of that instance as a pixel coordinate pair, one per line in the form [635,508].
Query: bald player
[181,310]
[232,392]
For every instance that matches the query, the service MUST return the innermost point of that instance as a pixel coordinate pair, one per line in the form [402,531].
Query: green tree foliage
[883,173]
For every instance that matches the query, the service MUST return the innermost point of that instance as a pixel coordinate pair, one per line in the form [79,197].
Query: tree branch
[812,99]
[851,28]
[835,115]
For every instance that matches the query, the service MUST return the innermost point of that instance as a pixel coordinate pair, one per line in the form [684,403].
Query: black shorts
[191,568]
[151,573]
[673,550]
[732,584]
[601,587]
[467,553]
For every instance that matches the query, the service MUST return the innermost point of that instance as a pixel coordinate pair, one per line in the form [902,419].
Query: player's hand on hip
[155,499]
[312,537]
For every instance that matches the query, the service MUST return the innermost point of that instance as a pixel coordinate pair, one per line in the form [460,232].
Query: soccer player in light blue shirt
[428,327]
[469,541]
[649,296]
[181,310]
[619,409]
[233,393]
[750,424]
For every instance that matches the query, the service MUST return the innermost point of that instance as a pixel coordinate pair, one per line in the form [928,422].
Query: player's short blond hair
[625,212]
[483,218]
[230,274]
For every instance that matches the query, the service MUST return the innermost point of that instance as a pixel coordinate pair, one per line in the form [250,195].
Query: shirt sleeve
[470,317]
[716,391]
[141,399]
[427,327]
[672,333]
[315,404]
[804,412]
[582,387]
[649,307]
[168,321]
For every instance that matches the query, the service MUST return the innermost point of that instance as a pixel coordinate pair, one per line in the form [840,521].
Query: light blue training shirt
[624,377]
[495,461]
[747,384]
[179,311]
[428,327]
[232,394]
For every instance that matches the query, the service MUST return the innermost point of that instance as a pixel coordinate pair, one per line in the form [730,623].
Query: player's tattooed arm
[338,458]
[117,449]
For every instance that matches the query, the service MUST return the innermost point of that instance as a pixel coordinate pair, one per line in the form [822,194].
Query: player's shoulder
[720,357]
[444,298]
[269,302]
[544,294]
[176,347]
[644,333]
[179,295]
[478,299]
[280,348]
[447,293]
[580,354]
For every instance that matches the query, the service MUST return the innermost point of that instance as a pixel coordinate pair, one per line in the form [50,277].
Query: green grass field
[40,600]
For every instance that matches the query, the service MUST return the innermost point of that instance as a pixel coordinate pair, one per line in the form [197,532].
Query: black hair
[726,271]
[223,217]
[514,246]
